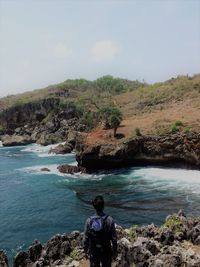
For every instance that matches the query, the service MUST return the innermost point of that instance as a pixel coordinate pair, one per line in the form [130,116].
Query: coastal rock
[71,169]
[62,149]
[3,259]
[35,251]
[16,140]
[45,169]
[21,260]
[46,138]
[142,248]
[180,149]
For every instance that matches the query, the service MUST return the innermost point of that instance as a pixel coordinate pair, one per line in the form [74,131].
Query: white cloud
[61,51]
[104,50]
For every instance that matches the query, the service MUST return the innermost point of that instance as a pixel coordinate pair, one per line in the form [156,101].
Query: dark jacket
[110,230]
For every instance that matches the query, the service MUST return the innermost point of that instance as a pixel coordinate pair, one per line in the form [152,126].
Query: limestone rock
[16,140]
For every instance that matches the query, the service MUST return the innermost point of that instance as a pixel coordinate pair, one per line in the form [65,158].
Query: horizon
[46,42]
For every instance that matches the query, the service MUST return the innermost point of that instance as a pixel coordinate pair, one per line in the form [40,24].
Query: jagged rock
[53,247]
[46,138]
[195,234]
[21,260]
[141,150]
[16,140]
[150,247]
[71,169]
[35,251]
[3,259]
[76,239]
[65,248]
[41,262]
[166,236]
[62,149]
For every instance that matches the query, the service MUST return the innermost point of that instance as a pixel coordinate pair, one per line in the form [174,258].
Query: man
[99,234]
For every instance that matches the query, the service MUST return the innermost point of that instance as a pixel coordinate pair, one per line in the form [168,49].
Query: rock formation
[16,140]
[183,149]
[71,169]
[173,244]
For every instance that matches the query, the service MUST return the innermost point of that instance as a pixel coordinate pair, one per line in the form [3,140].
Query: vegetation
[111,117]
[158,108]
[175,127]
[132,232]
[88,120]
[174,223]
[137,132]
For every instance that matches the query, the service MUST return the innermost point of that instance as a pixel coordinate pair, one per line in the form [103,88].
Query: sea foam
[187,180]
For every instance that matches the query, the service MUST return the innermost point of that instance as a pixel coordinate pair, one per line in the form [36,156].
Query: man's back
[100,240]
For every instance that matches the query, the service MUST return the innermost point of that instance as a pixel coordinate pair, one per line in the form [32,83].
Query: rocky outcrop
[183,149]
[3,259]
[16,140]
[47,121]
[71,169]
[62,149]
[149,246]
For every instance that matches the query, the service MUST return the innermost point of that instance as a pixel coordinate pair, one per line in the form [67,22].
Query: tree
[114,122]
[111,117]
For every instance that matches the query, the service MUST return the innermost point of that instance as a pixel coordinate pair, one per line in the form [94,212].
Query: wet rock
[3,259]
[45,169]
[71,169]
[62,149]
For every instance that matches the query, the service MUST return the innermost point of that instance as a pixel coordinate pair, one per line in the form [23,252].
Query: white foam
[37,169]
[1,143]
[187,180]
[43,151]
[53,170]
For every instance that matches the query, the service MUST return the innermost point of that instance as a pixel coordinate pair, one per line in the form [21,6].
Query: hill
[165,107]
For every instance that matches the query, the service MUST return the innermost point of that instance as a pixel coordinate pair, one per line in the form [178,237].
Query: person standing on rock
[100,239]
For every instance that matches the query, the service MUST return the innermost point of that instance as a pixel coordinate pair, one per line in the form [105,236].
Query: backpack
[98,235]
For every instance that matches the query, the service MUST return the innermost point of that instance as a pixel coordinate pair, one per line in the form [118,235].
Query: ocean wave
[43,151]
[184,180]
[38,169]
[53,170]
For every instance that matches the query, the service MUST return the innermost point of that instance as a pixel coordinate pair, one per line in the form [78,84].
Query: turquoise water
[37,205]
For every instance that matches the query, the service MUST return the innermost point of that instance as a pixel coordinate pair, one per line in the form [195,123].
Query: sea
[37,205]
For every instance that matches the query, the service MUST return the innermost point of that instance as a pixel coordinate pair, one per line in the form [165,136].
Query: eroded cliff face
[183,149]
[45,121]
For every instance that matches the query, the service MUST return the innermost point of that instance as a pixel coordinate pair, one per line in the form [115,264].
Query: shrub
[137,132]
[174,128]
[178,123]
[174,223]
[88,120]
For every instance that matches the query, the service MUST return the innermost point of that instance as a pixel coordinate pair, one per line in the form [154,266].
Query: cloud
[61,51]
[104,50]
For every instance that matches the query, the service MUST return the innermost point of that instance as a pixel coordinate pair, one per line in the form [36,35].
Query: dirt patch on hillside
[152,122]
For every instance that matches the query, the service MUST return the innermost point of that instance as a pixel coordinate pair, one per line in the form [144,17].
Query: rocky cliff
[176,243]
[44,121]
[182,149]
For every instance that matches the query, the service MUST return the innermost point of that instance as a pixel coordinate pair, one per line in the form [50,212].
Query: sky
[44,42]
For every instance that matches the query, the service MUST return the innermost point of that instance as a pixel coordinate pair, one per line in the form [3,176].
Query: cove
[37,205]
